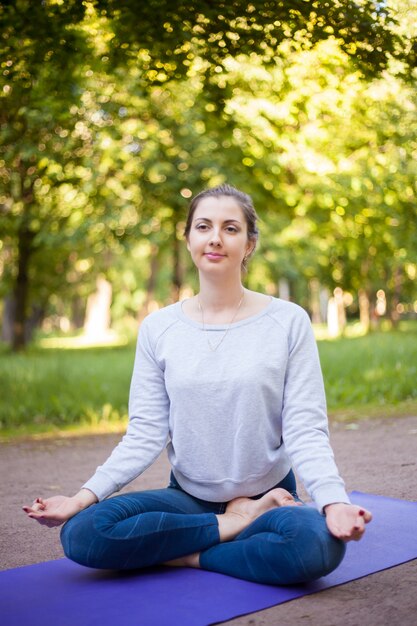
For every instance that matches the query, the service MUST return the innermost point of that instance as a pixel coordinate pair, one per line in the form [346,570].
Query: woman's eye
[231,229]
[201,226]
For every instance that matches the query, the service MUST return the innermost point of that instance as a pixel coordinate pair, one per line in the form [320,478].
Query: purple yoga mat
[63,593]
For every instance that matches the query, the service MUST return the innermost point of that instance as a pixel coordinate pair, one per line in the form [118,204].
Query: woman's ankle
[231,524]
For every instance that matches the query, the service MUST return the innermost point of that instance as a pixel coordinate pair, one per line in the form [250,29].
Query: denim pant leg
[140,529]
[283,546]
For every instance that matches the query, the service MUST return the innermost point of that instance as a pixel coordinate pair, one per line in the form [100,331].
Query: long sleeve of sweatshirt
[147,429]
[304,417]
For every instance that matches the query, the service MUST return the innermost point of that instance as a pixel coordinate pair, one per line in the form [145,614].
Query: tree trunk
[8,319]
[364,308]
[324,301]
[333,328]
[34,321]
[315,307]
[21,289]
[284,289]
[77,312]
[393,313]
[97,318]
[367,311]
[25,237]
[151,284]
[336,315]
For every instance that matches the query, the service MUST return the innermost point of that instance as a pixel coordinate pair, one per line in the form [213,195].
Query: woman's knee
[77,536]
[92,537]
[326,553]
[306,544]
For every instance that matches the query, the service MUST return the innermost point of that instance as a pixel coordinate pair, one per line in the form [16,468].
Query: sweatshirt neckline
[246,320]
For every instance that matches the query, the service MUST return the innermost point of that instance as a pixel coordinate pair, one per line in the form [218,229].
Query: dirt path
[377,456]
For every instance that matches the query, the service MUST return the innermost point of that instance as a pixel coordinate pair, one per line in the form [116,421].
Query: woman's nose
[215,239]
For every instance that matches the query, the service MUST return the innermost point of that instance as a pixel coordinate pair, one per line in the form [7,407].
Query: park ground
[377,455]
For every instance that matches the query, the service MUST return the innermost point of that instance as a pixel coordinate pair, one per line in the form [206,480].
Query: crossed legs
[268,540]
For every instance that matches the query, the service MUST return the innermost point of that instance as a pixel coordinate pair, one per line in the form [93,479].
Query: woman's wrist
[84,498]
[328,506]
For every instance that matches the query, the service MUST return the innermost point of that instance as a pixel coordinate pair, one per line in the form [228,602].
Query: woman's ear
[250,248]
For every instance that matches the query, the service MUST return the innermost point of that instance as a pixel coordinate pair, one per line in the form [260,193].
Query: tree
[335,154]
[38,130]
[173,32]
[71,146]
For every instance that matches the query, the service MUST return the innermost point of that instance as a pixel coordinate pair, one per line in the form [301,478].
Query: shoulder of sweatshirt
[158,322]
[289,315]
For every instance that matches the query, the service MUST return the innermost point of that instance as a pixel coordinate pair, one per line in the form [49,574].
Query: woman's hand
[58,509]
[346,521]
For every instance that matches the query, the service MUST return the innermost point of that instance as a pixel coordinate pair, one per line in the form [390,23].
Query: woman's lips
[214,256]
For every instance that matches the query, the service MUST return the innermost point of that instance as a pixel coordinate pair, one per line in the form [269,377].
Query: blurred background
[114,114]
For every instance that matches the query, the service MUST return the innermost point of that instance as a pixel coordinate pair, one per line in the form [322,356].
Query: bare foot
[190,560]
[239,513]
[285,498]
[254,508]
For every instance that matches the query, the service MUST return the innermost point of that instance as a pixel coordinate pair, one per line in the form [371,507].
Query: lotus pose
[230,381]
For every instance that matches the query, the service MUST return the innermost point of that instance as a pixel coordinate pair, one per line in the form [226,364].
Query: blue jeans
[285,545]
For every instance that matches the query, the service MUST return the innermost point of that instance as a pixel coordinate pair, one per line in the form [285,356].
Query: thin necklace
[213,347]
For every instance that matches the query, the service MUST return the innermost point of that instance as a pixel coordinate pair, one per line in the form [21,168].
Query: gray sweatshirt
[235,420]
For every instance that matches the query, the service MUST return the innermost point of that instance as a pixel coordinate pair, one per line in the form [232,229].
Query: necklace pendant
[213,347]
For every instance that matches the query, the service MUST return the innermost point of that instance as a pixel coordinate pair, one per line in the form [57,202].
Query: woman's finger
[37,514]
[38,505]
[29,509]
[366,515]
[357,531]
[356,535]
[42,520]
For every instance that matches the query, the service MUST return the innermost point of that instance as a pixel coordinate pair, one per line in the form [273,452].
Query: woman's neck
[216,297]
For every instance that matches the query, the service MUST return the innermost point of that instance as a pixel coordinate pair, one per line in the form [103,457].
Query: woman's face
[218,238]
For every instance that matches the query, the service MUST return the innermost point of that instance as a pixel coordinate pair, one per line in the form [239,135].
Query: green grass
[376,371]
[56,390]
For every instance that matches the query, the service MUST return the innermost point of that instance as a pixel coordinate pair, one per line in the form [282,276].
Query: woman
[232,379]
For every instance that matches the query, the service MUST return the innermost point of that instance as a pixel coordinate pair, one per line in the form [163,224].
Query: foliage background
[113,116]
